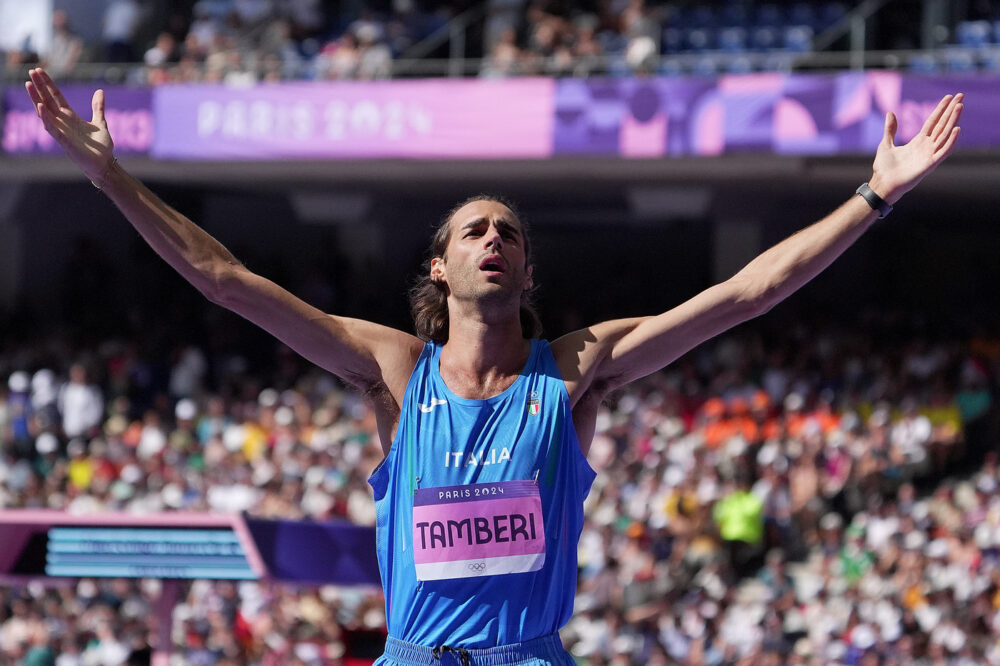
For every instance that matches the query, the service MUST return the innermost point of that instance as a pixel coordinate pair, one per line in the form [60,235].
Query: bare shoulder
[395,354]
[579,356]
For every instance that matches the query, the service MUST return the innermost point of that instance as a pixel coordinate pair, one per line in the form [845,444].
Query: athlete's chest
[460,442]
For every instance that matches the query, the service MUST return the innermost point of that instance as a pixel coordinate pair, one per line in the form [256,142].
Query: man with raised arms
[485,427]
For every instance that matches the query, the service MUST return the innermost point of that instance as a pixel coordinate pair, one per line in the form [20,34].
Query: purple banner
[784,114]
[763,113]
[408,119]
[128,110]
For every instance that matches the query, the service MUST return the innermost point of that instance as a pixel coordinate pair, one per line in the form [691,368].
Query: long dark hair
[429,299]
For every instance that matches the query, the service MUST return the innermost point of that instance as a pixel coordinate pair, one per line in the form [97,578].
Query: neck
[485,343]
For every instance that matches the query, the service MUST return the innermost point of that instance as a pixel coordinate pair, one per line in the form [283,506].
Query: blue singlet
[480,507]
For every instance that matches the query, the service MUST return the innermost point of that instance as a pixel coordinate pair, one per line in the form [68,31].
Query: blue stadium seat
[770,15]
[734,15]
[959,60]
[991,61]
[611,43]
[670,67]
[764,38]
[802,13]
[707,66]
[672,40]
[618,68]
[699,40]
[922,63]
[829,14]
[778,61]
[701,16]
[973,34]
[740,64]
[733,40]
[798,38]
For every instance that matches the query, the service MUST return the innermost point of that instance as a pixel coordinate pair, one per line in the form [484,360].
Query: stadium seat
[973,34]
[922,63]
[734,15]
[778,61]
[798,38]
[733,40]
[670,67]
[959,60]
[611,43]
[830,14]
[770,15]
[618,68]
[802,13]
[764,38]
[672,40]
[739,64]
[991,61]
[707,66]
[699,40]
[701,16]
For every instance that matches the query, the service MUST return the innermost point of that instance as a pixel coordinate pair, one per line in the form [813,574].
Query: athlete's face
[485,256]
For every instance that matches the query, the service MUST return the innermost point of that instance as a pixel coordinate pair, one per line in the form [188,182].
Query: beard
[469,284]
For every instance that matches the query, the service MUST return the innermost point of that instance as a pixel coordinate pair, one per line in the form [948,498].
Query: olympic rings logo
[477,566]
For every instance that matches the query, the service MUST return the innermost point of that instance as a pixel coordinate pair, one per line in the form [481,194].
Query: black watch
[874,200]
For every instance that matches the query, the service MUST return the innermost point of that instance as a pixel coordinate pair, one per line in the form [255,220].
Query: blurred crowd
[769,498]
[242,42]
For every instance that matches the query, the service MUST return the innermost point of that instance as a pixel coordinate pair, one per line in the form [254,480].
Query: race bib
[482,529]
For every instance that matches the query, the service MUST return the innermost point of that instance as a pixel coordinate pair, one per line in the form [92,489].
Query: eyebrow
[479,221]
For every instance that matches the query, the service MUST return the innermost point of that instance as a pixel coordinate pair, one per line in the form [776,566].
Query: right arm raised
[364,354]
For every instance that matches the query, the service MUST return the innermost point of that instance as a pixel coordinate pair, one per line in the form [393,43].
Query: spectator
[80,403]
[66,48]
[739,515]
[339,59]
[163,52]
[374,59]
[122,19]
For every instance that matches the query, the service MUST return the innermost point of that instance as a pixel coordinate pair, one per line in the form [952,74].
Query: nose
[494,240]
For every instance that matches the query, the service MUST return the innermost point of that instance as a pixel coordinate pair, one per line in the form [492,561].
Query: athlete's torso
[482,501]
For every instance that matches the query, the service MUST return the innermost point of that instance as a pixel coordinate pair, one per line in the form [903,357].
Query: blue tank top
[479,509]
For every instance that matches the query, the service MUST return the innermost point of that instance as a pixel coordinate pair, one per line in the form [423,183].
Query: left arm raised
[611,354]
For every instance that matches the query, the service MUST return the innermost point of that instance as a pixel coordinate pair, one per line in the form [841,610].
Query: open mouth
[493,264]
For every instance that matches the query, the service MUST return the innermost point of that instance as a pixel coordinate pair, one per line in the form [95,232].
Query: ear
[529,281]
[437,269]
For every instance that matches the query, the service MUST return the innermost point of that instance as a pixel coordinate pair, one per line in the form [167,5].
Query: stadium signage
[397,119]
[129,113]
[535,118]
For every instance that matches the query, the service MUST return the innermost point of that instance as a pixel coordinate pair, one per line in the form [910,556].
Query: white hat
[936,549]
[863,636]
[914,541]
[18,382]
[46,443]
[185,409]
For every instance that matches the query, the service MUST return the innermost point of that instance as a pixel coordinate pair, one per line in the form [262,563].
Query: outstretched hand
[89,145]
[898,169]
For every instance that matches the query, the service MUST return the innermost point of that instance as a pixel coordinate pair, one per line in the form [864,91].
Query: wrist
[100,181]
[877,203]
[884,190]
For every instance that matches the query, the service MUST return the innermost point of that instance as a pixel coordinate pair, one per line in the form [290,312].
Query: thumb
[97,104]
[890,129]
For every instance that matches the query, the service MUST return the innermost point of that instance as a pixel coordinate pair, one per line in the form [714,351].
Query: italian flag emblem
[534,406]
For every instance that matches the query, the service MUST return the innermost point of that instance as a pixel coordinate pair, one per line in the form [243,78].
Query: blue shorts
[544,651]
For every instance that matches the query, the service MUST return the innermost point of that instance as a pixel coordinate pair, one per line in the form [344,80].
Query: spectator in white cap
[80,403]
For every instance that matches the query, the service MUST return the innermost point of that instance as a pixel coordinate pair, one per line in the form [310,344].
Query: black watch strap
[874,200]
